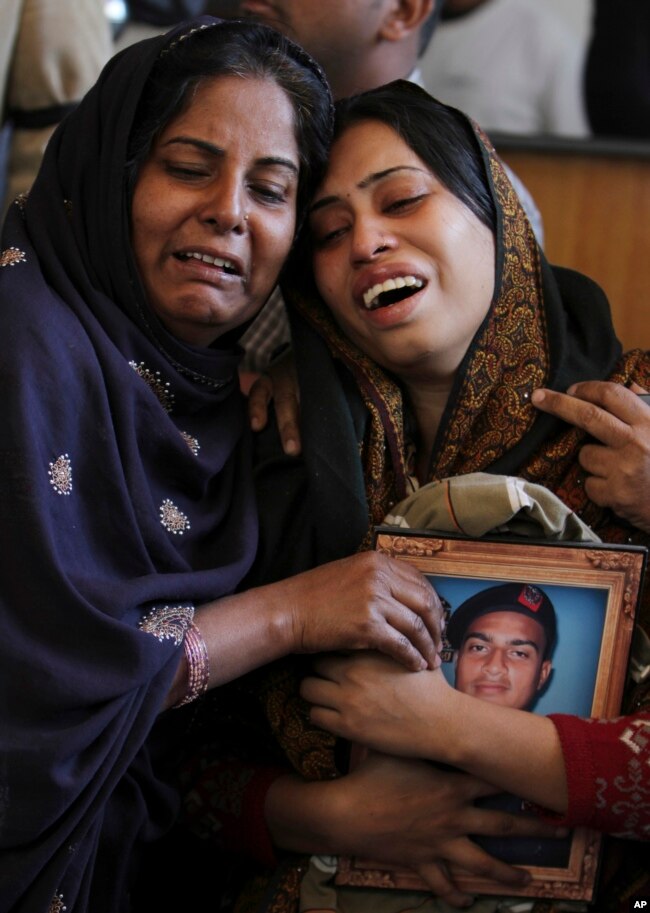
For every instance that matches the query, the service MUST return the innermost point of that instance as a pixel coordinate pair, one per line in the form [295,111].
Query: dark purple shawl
[125,500]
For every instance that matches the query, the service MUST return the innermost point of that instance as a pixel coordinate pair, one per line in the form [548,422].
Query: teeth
[370,296]
[214,261]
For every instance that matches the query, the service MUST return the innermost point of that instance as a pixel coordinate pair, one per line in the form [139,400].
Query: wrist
[299,815]
[450,741]
[276,598]
[244,631]
[197,666]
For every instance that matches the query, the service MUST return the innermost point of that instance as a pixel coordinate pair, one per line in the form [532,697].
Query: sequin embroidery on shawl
[11,256]
[115,525]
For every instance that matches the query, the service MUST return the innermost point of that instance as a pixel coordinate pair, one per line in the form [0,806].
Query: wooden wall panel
[596,213]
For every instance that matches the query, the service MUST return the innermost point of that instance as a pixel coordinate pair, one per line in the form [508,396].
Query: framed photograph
[572,603]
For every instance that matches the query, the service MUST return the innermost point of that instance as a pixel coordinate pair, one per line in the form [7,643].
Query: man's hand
[619,464]
[279,384]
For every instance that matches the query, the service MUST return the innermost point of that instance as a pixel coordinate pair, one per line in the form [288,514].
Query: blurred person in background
[51,52]
[512,65]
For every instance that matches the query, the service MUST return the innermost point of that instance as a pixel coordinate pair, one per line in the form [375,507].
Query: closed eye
[328,237]
[269,194]
[405,203]
[187,172]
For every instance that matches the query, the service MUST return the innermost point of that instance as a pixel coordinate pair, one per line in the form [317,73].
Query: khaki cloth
[481,504]
[51,53]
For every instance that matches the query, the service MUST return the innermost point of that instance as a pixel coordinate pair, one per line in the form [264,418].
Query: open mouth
[383,294]
[226,265]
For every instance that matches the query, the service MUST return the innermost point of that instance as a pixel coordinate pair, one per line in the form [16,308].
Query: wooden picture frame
[594,589]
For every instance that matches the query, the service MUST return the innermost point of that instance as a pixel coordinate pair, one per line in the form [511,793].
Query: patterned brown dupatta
[546,327]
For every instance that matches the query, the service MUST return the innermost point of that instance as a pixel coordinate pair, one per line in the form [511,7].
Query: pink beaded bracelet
[198,665]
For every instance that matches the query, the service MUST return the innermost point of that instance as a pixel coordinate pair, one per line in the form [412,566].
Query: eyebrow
[365,183]
[485,638]
[211,149]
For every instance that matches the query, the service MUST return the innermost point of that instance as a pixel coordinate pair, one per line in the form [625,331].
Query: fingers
[405,641]
[598,490]
[436,876]
[603,465]
[416,615]
[319,691]
[602,409]
[618,466]
[259,397]
[406,644]
[326,718]
[494,823]
[329,667]
[287,410]
[369,698]
[469,856]
[415,634]
[287,403]
[281,386]
[402,610]
[367,602]
[324,694]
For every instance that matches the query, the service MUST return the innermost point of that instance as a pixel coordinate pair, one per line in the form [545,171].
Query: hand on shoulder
[618,461]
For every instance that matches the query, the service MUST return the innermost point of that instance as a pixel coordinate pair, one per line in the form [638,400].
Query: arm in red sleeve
[608,773]
[225,804]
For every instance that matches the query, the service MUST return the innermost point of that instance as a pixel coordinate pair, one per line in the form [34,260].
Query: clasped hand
[370,700]
[413,814]
[366,602]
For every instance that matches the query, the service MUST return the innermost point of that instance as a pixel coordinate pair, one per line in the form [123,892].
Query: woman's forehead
[256,111]
[366,149]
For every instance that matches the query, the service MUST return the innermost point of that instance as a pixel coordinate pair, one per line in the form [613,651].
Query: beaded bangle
[198,665]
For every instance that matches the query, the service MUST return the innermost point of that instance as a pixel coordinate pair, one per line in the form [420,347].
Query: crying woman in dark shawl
[156,229]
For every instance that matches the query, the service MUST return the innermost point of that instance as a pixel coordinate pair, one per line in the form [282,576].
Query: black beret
[523,598]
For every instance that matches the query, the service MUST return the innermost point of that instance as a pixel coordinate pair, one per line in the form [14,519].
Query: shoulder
[36,326]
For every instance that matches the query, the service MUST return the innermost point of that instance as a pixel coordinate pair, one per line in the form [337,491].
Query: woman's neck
[428,401]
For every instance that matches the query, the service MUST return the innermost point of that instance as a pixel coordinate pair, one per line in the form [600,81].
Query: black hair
[441,136]
[429,26]
[236,49]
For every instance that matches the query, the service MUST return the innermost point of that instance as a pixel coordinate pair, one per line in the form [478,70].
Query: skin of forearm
[515,750]
[297,814]
[241,632]
[244,631]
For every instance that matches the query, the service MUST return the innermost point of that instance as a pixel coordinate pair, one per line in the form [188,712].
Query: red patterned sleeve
[225,804]
[607,765]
